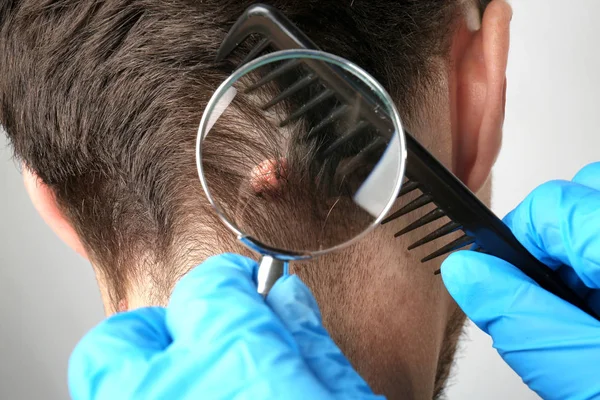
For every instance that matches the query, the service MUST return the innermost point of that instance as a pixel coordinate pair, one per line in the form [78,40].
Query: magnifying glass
[292,168]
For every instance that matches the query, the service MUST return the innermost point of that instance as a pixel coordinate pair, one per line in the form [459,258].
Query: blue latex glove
[217,339]
[552,345]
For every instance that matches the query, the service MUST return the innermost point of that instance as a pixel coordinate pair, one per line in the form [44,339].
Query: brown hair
[102,98]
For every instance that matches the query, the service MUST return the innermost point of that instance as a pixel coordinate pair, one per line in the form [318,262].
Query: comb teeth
[259,48]
[438,233]
[291,90]
[462,241]
[426,219]
[408,187]
[358,159]
[357,129]
[274,74]
[309,105]
[434,215]
[419,202]
[335,114]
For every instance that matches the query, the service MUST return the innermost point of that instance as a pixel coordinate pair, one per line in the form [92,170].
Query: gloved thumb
[295,305]
[551,344]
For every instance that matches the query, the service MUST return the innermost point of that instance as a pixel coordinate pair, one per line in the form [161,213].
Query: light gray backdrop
[48,297]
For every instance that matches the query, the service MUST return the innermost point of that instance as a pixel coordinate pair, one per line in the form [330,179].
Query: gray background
[49,299]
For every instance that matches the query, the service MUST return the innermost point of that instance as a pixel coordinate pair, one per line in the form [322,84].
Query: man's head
[102,100]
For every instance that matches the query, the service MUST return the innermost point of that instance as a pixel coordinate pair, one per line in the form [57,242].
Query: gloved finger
[113,355]
[216,313]
[543,338]
[589,176]
[295,305]
[214,298]
[559,223]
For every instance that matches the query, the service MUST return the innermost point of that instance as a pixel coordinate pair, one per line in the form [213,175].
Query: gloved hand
[217,339]
[552,345]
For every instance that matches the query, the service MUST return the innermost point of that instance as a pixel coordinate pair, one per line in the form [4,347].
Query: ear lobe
[44,201]
[481,96]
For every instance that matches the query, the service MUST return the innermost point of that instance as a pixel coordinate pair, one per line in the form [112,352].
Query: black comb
[481,228]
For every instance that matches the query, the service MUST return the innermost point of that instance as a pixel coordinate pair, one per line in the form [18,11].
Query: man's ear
[44,201]
[480,94]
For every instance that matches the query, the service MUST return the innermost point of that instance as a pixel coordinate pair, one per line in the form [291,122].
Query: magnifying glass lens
[291,163]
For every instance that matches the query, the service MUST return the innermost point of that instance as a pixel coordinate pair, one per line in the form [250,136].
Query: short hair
[102,99]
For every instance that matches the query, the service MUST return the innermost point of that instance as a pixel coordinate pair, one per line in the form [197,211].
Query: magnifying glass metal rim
[252,243]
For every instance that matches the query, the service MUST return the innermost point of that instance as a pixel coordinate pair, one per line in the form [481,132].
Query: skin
[268,176]
[388,313]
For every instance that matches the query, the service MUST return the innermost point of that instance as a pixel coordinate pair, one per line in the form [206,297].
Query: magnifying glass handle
[269,270]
